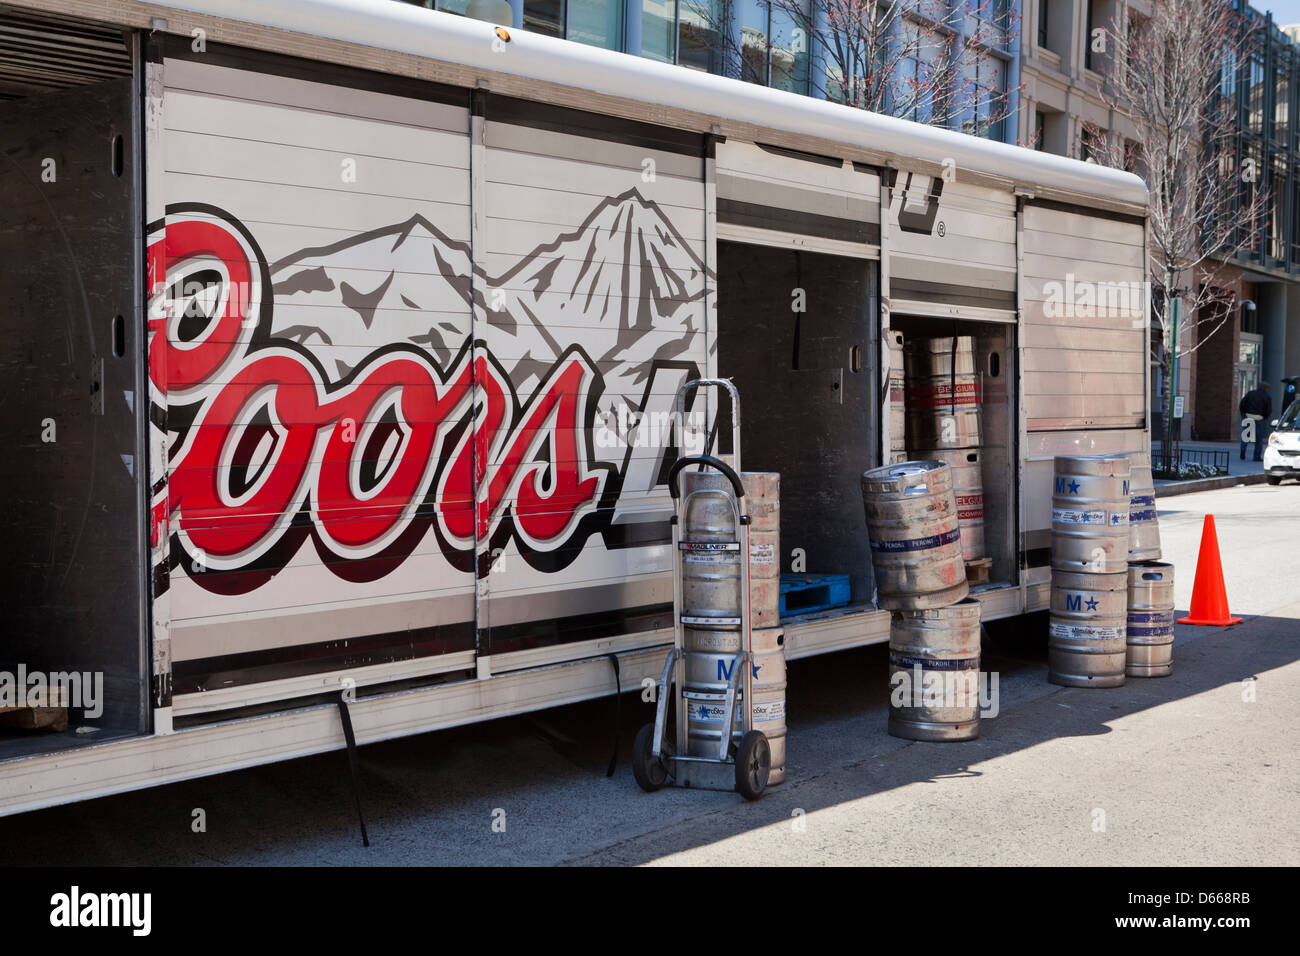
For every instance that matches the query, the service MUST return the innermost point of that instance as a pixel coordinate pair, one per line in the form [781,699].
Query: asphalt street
[1197,768]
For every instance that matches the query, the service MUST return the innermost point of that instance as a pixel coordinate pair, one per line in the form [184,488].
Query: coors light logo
[338,396]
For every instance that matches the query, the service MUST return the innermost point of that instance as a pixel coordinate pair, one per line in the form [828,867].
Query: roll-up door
[1085,319]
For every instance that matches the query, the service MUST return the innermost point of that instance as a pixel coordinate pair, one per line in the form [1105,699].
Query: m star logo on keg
[1063,488]
[1092,604]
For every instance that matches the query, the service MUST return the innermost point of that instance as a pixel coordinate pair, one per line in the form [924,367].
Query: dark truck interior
[812,389]
[71,386]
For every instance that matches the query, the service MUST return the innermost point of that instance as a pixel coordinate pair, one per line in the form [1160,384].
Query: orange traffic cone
[1209,596]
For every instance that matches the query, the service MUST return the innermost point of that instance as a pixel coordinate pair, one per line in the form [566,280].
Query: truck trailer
[342,338]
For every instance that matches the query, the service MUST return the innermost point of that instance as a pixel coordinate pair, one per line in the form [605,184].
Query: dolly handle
[716,463]
[722,384]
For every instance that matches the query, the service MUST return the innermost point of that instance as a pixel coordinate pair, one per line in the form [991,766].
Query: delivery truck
[342,338]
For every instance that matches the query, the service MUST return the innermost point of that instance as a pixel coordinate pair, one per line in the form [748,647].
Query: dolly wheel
[649,770]
[753,765]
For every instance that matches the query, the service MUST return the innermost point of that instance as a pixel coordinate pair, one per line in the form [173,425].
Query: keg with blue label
[934,672]
[1090,513]
[710,555]
[1150,624]
[1086,629]
[914,535]
[1143,522]
[760,693]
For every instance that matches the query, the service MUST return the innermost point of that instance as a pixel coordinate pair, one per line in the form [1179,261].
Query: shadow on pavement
[433,799]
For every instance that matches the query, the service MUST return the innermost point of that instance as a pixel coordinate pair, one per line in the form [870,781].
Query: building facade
[769,43]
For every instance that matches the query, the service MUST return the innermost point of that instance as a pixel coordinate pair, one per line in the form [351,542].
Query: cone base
[1208,623]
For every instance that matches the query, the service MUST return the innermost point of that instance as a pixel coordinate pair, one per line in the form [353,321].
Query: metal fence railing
[1173,462]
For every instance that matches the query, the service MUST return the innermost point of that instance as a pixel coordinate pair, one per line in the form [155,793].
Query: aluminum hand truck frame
[745,765]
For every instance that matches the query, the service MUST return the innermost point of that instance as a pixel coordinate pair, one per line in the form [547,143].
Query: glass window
[1291,417]
[753,41]
[1256,104]
[790,49]
[1042,30]
[659,30]
[1278,190]
[904,89]
[1295,222]
[453,6]
[982,93]
[596,23]
[943,83]
[698,45]
[1228,73]
[1088,59]
[1281,108]
[544,16]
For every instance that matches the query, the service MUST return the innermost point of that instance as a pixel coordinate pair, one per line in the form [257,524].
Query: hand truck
[744,765]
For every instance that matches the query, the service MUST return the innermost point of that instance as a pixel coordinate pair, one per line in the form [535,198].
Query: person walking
[1256,405]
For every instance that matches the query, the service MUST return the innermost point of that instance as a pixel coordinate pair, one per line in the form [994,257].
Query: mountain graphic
[624,274]
[405,282]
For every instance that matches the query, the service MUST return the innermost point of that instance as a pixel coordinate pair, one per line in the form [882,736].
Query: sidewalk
[1248,472]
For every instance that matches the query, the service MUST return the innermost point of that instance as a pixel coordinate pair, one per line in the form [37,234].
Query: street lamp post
[1173,378]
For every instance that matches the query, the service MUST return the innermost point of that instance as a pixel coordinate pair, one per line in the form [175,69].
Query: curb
[1208,484]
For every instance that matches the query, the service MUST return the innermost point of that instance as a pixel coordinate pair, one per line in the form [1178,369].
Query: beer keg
[711,579]
[1085,645]
[911,515]
[934,662]
[1143,523]
[968,489]
[897,399]
[1090,510]
[707,677]
[1150,629]
[942,393]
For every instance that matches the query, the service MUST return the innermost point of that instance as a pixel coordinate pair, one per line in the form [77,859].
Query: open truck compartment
[993,349]
[795,333]
[72,564]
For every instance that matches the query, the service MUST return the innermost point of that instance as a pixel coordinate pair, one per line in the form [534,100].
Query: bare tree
[1173,77]
[926,60]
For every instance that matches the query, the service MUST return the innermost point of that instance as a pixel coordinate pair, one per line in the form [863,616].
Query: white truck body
[402,291]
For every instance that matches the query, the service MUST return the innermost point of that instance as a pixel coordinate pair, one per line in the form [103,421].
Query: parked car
[1282,454]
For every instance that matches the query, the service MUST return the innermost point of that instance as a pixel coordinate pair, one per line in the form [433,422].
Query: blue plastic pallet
[805,593]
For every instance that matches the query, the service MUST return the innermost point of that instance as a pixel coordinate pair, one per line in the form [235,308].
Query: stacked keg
[712,634]
[897,384]
[916,555]
[1090,545]
[1150,622]
[943,424]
